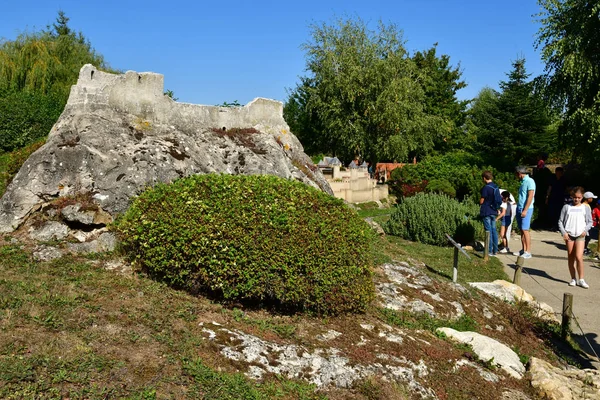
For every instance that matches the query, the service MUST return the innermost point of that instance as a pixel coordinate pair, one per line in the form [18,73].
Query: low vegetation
[257,239]
[72,328]
[428,217]
[11,162]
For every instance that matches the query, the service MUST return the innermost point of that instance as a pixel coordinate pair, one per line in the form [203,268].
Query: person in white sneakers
[525,201]
[574,223]
[506,217]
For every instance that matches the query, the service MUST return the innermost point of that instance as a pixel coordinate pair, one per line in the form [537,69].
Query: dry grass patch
[71,329]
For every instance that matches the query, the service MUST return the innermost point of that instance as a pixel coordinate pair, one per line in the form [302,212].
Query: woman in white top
[506,216]
[574,223]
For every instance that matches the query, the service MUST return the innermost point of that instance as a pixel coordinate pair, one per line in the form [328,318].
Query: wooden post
[518,270]
[486,246]
[598,249]
[566,314]
[455,272]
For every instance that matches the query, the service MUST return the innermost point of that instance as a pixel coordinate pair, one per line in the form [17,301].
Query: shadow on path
[536,272]
[558,245]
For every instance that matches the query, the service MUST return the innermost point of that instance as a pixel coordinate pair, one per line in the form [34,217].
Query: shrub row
[428,217]
[457,174]
[252,238]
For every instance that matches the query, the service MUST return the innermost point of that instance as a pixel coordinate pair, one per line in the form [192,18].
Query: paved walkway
[546,277]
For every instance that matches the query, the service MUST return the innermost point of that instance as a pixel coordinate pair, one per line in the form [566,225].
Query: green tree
[37,71]
[512,126]
[441,82]
[363,95]
[570,45]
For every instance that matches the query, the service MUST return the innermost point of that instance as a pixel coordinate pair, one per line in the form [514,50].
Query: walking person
[574,223]
[525,202]
[555,196]
[506,217]
[588,198]
[488,211]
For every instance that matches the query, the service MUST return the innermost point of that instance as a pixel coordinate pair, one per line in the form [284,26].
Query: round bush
[252,238]
[441,186]
[427,217]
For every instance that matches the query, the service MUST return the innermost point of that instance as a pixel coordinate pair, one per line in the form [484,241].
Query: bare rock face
[120,134]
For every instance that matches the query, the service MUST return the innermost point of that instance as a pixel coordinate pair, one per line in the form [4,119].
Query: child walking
[506,218]
[574,223]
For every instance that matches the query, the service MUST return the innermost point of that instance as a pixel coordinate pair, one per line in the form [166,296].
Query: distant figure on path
[588,198]
[574,223]
[488,212]
[525,209]
[555,196]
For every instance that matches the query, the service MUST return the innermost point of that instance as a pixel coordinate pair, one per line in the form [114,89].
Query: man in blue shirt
[487,211]
[525,209]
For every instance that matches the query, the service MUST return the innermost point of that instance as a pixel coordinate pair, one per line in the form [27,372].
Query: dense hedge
[427,217]
[441,186]
[461,170]
[26,117]
[252,238]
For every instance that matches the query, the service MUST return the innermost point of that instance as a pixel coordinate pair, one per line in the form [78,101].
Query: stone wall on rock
[120,134]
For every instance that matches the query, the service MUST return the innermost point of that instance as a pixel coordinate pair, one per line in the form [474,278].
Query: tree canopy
[37,71]
[440,82]
[513,125]
[47,61]
[570,45]
[364,95]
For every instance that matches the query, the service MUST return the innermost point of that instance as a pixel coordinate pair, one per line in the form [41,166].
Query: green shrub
[462,170]
[252,238]
[10,163]
[441,186]
[26,117]
[427,217]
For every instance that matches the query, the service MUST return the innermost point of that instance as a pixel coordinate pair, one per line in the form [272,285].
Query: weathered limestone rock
[120,134]
[375,226]
[51,230]
[510,292]
[105,242]
[559,384]
[72,214]
[320,366]
[488,349]
[504,290]
[404,279]
[46,253]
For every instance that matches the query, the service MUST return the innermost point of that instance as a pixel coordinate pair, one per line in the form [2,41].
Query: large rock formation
[119,134]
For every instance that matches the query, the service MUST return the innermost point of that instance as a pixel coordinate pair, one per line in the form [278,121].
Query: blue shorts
[524,223]
[506,220]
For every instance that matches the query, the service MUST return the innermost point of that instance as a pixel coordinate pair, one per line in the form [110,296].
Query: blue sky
[214,52]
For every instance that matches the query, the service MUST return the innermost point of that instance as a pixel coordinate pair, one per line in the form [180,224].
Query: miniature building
[352,184]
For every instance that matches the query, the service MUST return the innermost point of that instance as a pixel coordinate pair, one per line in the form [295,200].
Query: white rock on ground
[321,367]
[511,293]
[488,349]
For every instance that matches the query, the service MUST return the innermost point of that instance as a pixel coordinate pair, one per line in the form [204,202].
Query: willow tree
[36,73]
[362,96]
[569,39]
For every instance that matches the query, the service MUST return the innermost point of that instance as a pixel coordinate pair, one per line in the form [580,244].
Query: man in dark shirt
[487,211]
[555,197]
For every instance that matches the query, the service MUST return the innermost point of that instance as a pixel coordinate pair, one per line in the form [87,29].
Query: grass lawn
[440,260]
[72,329]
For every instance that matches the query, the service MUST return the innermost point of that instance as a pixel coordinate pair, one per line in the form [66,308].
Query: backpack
[497,202]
